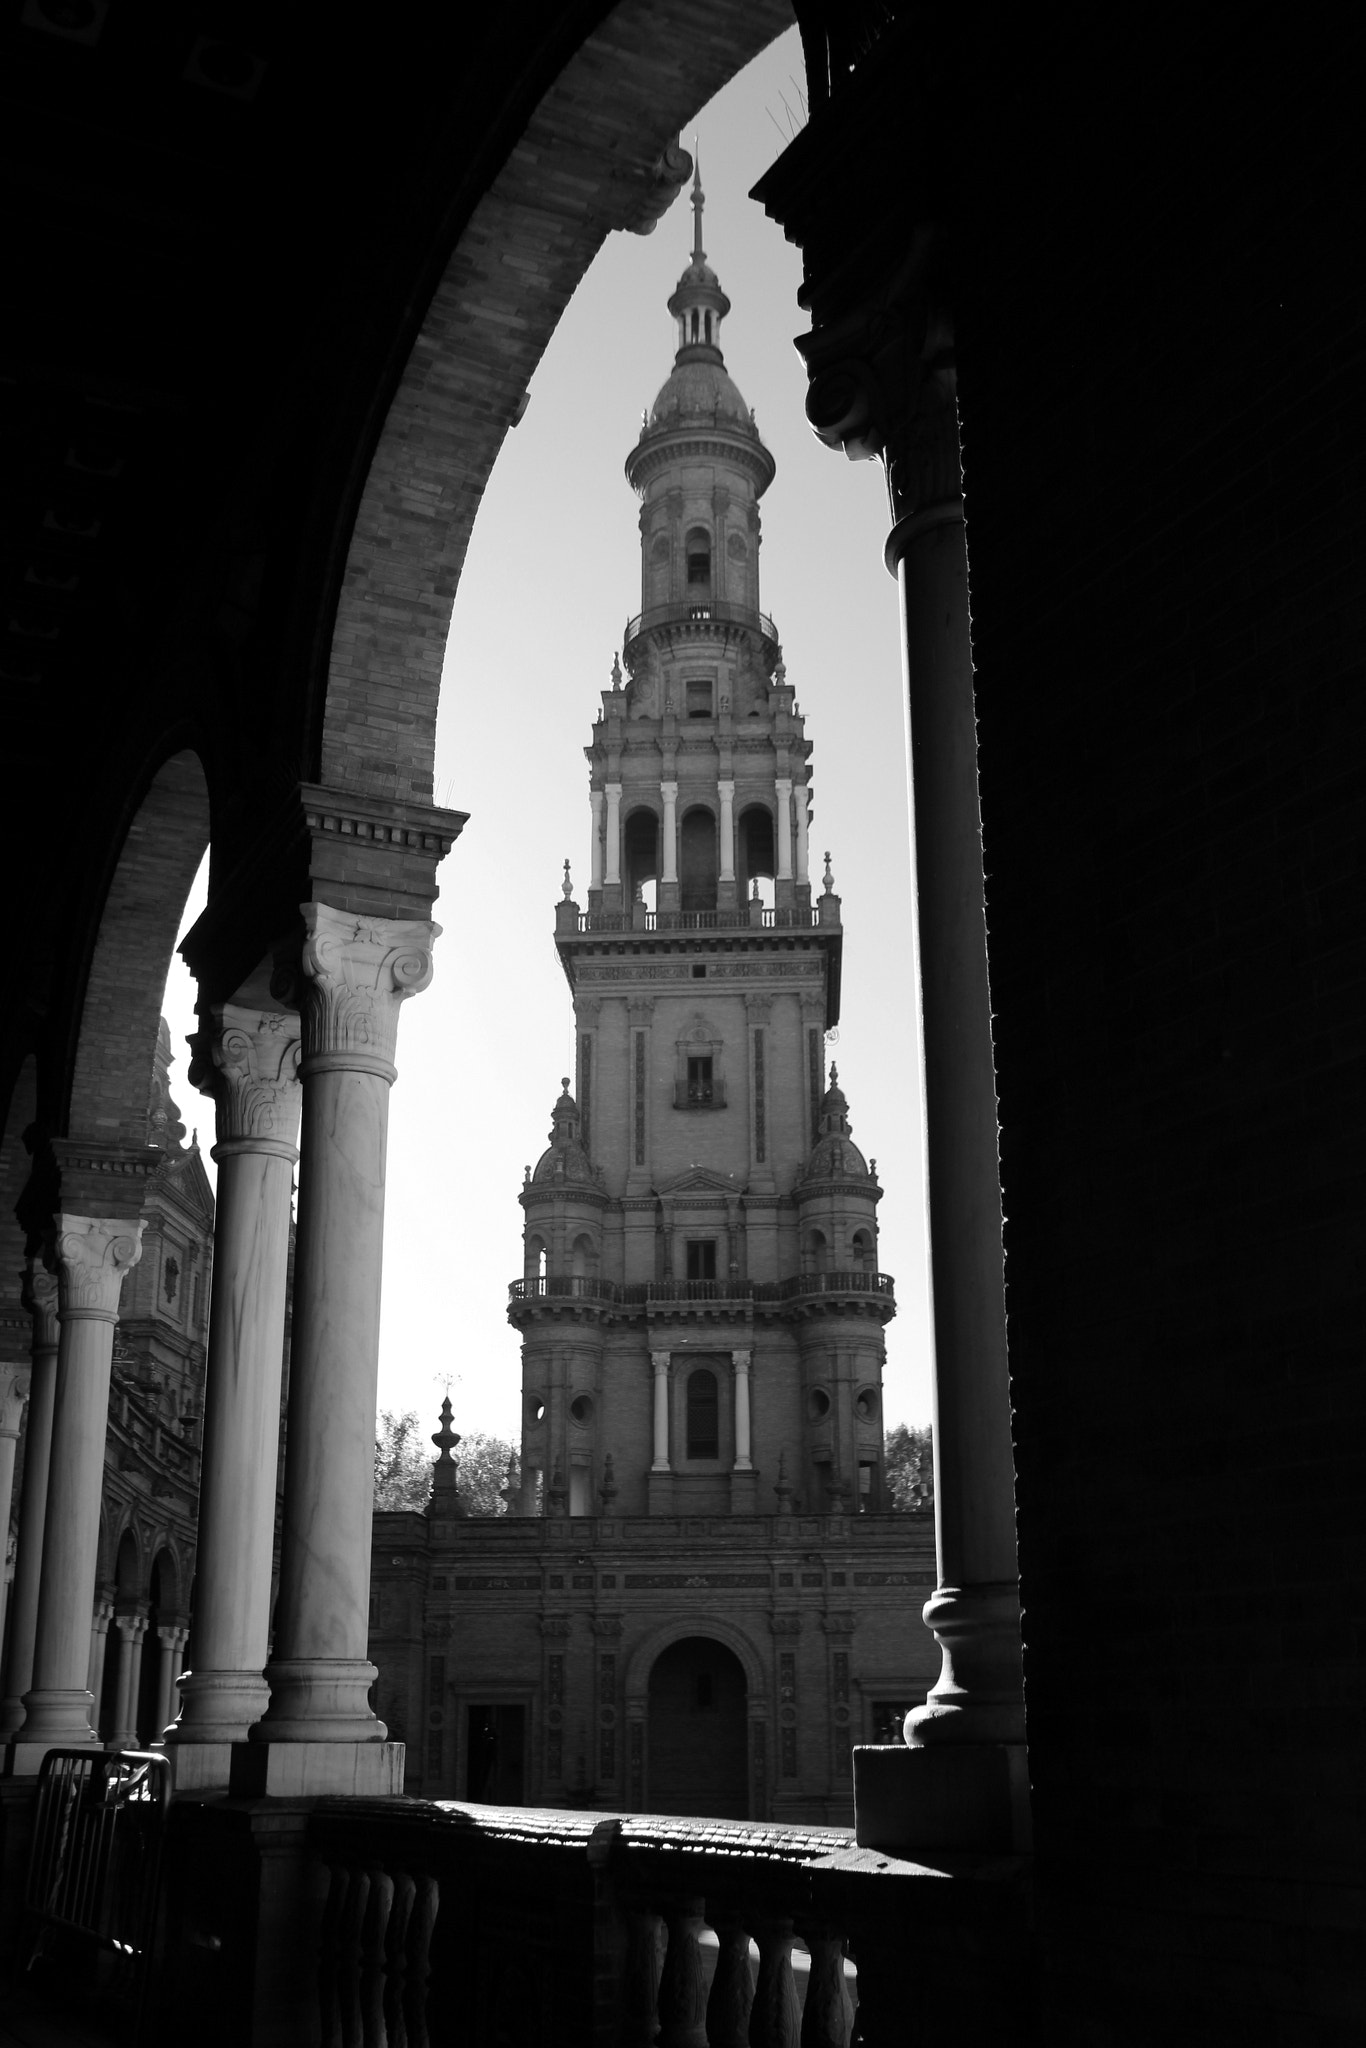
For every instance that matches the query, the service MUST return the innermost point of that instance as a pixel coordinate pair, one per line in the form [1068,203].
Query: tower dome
[835,1156]
[566,1158]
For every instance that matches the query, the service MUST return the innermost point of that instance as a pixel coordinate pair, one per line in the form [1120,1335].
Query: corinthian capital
[14,1381]
[93,1254]
[247,1060]
[357,972]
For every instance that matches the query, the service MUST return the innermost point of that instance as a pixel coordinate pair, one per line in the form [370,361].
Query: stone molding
[40,1298]
[785,1624]
[841,1623]
[555,1625]
[92,1255]
[247,1061]
[358,971]
[607,1625]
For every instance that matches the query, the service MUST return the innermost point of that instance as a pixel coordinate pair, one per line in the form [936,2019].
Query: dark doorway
[495,1752]
[697,1726]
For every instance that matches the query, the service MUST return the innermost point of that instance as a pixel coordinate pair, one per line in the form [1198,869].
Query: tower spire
[699,200]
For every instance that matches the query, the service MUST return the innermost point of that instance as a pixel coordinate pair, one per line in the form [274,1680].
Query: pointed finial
[754,895]
[829,877]
[567,886]
[616,671]
[445,1438]
[564,1083]
[698,202]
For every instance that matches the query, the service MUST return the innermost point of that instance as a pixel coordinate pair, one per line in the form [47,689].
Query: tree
[404,1459]
[908,1460]
[484,1463]
[403,1462]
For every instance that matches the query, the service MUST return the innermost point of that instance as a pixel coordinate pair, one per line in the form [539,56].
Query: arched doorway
[697,1731]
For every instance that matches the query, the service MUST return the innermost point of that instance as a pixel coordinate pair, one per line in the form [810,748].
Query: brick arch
[121,1006]
[643,1656]
[585,164]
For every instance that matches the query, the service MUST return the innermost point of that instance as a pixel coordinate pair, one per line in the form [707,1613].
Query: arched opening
[583,1257]
[640,856]
[533,1263]
[698,861]
[162,1613]
[697,1731]
[697,550]
[755,860]
[815,1252]
[127,1590]
[862,1252]
[121,1010]
[703,1414]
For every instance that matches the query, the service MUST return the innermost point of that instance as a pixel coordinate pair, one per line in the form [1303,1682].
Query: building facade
[695,1603]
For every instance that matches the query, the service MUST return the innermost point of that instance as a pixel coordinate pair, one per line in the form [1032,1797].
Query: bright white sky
[552,574]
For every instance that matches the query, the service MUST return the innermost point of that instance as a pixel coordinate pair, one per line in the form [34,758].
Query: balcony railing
[699,611]
[641,1293]
[532,1926]
[798,917]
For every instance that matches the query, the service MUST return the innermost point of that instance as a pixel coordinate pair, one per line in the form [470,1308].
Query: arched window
[814,1252]
[862,1249]
[639,851]
[704,1414]
[533,1262]
[583,1258]
[755,860]
[697,548]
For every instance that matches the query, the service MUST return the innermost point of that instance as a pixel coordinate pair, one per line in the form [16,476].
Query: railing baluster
[775,2021]
[640,1991]
[374,1930]
[828,2015]
[683,1982]
[732,1988]
[330,1958]
[349,1932]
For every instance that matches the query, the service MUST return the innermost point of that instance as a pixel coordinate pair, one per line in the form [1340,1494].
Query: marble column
[92,1256]
[659,1360]
[132,1631]
[727,794]
[171,1647]
[740,1361]
[783,786]
[357,972]
[803,828]
[669,838]
[975,1611]
[40,1293]
[612,877]
[595,870]
[247,1060]
[14,1386]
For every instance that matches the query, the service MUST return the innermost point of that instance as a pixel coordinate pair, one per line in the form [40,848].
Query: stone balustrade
[529,1925]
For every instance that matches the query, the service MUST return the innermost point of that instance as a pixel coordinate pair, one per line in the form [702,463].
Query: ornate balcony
[696,616]
[804,1294]
[800,917]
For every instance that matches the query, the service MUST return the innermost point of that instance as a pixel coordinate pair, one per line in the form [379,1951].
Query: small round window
[535,1408]
[866,1405]
[819,1404]
[581,1408]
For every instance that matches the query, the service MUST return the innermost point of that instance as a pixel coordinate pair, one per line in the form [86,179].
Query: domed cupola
[835,1156]
[565,1159]
[698,392]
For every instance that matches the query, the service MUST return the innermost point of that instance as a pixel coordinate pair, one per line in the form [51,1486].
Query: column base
[218,1707]
[965,1796]
[319,1699]
[22,1756]
[311,1770]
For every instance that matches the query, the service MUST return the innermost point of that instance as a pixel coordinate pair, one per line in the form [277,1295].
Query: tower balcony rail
[699,611]
[585,1927]
[641,1293]
[799,917]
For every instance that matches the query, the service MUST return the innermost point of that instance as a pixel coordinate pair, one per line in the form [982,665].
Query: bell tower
[701,1303]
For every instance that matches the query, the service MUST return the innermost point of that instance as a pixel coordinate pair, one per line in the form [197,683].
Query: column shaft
[92,1257]
[596,851]
[660,1361]
[99,1648]
[613,849]
[784,789]
[741,1362]
[14,1384]
[28,1562]
[727,792]
[359,970]
[803,856]
[249,1062]
[975,1611]
[669,838]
